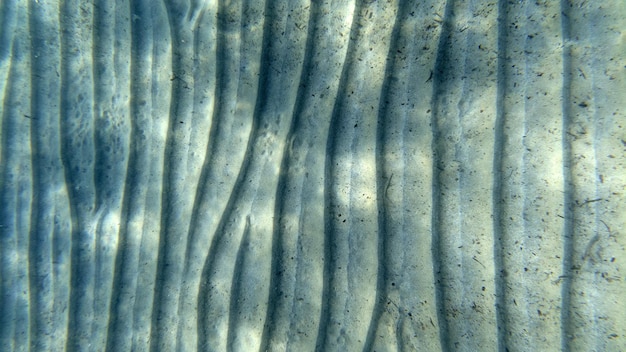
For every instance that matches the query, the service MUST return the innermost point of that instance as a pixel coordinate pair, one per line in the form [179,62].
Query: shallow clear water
[297,176]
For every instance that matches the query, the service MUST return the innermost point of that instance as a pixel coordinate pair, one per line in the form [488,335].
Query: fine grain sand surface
[293,175]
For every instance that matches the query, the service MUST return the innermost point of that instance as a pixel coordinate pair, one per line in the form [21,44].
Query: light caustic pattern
[312,175]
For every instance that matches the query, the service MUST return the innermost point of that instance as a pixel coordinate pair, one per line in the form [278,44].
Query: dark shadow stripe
[8,13]
[325,313]
[120,331]
[497,196]
[235,286]
[220,77]
[205,283]
[439,77]
[156,338]
[383,176]
[45,86]
[178,180]
[398,330]
[204,294]
[334,135]
[126,253]
[295,132]
[103,38]
[37,255]
[111,150]
[260,121]
[276,280]
[65,150]
[568,183]
[206,165]
[202,189]
[77,154]
[8,185]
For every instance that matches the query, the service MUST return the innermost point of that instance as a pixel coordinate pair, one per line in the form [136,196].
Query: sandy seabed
[312,175]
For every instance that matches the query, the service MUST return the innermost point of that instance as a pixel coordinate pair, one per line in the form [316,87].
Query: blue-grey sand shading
[341,175]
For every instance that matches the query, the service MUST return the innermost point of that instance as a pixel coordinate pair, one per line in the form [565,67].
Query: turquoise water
[296,175]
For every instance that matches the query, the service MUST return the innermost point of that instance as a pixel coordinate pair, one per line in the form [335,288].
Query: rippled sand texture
[373,175]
